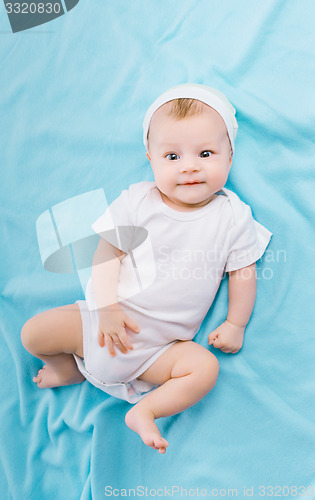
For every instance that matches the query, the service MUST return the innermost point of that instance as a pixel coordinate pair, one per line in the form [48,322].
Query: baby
[163,250]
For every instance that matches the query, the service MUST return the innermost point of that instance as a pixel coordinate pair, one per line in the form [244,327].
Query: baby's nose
[189,167]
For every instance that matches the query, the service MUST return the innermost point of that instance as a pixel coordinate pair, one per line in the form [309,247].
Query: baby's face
[190,158]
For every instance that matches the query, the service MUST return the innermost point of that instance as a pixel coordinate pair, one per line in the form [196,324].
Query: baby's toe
[38,377]
[161,444]
[162,450]
[149,441]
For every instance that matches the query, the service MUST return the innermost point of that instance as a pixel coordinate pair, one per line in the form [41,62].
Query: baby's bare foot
[47,377]
[142,422]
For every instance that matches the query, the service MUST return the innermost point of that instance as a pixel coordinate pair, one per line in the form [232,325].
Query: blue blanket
[73,93]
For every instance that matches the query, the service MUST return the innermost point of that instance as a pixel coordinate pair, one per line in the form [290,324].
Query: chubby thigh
[182,358]
[154,358]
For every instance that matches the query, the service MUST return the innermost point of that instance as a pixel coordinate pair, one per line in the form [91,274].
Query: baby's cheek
[219,176]
[161,180]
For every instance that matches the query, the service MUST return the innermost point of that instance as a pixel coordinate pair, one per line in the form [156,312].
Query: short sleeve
[248,239]
[116,225]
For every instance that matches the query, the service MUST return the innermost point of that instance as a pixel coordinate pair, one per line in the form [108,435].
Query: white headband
[214,98]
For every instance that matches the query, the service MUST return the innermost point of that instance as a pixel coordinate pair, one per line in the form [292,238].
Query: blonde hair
[184,107]
[181,108]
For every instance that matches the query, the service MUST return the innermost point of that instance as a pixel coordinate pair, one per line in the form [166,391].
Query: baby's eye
[205,154]
[172,156]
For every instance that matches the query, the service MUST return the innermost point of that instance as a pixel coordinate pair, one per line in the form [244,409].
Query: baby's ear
[231,158]
[148,156]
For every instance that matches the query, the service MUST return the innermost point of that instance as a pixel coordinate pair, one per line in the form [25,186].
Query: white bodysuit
[169,277]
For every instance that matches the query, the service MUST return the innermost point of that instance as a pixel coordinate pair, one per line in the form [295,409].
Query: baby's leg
[186,372]
[53,336]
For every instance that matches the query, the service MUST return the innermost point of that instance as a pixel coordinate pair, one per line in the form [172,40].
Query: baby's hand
[227,337]
[112,323]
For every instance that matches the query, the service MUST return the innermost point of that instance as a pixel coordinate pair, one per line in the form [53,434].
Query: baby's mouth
[191,183]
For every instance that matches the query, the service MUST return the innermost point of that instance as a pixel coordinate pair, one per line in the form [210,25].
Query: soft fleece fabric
[73,95]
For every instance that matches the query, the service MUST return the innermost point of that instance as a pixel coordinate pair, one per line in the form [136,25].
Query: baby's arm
[112,320]
[242,293]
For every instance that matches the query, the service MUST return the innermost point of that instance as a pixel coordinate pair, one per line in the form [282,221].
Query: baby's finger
[123,338]
[235,350]
[119,344]
[225,349]
[212,338]
[100,338]
[217,343]
[110,344]
[122,348]
[130,323]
